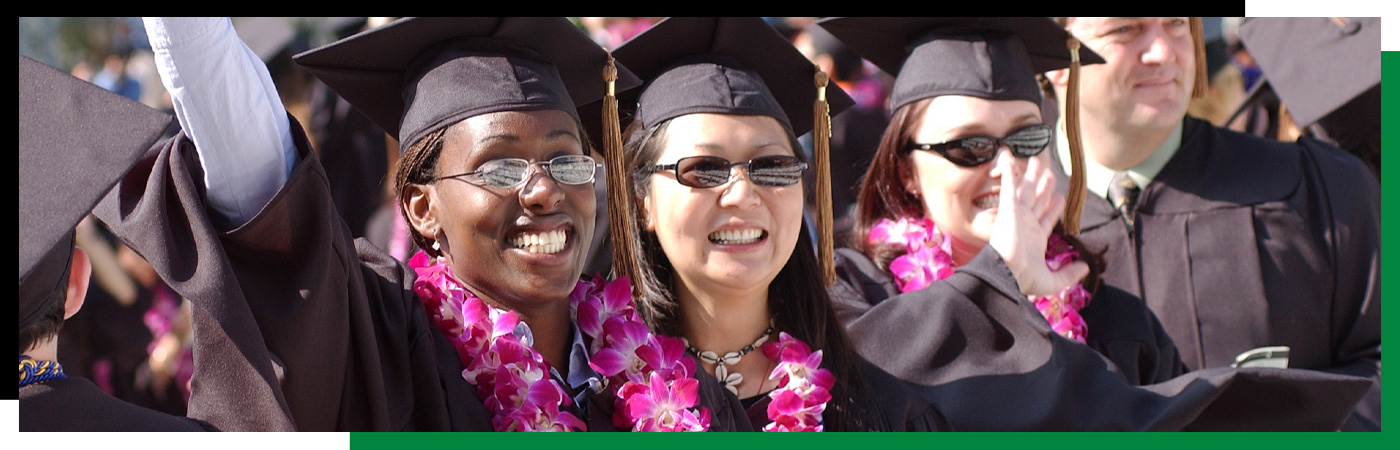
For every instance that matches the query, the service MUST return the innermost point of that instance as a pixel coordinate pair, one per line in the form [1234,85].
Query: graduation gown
[1244,242]
[75,404]
[882,402]
[974,347]
[327,326]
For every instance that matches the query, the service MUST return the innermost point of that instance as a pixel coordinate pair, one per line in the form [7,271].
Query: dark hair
[418,165]
[882,194]
[48,324]
[801,306]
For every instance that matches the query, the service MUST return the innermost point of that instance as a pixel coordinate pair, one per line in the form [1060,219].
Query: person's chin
[547,288]
[558,271]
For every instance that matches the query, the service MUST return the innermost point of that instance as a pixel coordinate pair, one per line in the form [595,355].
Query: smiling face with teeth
[515,247]
[963,200]
[736,236]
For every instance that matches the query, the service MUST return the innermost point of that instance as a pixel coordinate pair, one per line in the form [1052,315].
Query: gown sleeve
[974,348]
[327,326]
[1351,224]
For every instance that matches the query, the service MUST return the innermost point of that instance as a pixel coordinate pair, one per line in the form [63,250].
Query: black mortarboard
[75,141]
[995,58]
[742,66]
[1319,65]
[266,36]
[728,65]
[416,75]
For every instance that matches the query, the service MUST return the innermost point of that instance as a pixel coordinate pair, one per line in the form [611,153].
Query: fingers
[1054,208]
[1008,197]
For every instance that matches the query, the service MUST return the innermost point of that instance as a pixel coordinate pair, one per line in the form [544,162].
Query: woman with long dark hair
[725,259]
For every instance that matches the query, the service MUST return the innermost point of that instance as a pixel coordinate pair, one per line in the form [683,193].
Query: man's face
[1146,82]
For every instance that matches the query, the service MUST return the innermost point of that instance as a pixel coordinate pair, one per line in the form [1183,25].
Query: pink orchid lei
[929,258]
[804,387]
[655,390]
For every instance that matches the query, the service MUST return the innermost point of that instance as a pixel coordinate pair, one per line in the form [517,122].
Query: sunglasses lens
[971,151]
[702,171]
[503,173]
[775,171]
[1029,141]
[572,170]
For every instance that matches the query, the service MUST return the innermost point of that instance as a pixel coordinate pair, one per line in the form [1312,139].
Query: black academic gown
[75,404]
[327,325]
[882,402]
[1243,242]
[974,347]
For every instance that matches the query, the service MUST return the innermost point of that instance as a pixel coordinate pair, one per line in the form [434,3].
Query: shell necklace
[729,380]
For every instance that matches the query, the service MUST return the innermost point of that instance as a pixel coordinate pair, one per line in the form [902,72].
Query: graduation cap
[994,58]
[75,141]
[417,75]
[1326,70]
[743,66]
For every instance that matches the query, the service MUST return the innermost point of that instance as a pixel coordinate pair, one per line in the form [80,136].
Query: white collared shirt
[1097,178]
[580,373]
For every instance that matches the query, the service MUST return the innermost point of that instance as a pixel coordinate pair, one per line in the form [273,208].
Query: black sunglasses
[712,171]
[977,150]
[505,173]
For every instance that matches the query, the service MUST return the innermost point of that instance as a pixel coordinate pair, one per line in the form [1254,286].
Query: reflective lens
[977,150]
[776,171]
[502,173]
[712,171]
[573,169]
[505,173]
[1029,141]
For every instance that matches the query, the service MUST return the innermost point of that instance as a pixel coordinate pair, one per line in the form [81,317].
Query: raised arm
[227,104]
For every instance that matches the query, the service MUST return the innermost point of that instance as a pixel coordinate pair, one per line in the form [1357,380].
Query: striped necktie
[1123,194]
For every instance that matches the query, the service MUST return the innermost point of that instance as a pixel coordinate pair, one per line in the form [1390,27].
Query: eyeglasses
[712,171]
[977,150]
[506,173]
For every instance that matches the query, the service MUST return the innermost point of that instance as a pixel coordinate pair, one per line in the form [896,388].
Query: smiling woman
[496,228]
[496,331]
[726,258]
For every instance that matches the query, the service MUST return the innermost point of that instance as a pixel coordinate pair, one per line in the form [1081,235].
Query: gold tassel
[624,262]
[1074,204]
[1198,43]
[821,137]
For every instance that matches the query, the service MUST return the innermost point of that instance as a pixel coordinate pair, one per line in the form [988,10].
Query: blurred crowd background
[132,334]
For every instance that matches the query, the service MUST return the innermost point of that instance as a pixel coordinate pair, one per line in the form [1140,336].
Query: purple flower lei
[929,258]
[652,375]
[804,387]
